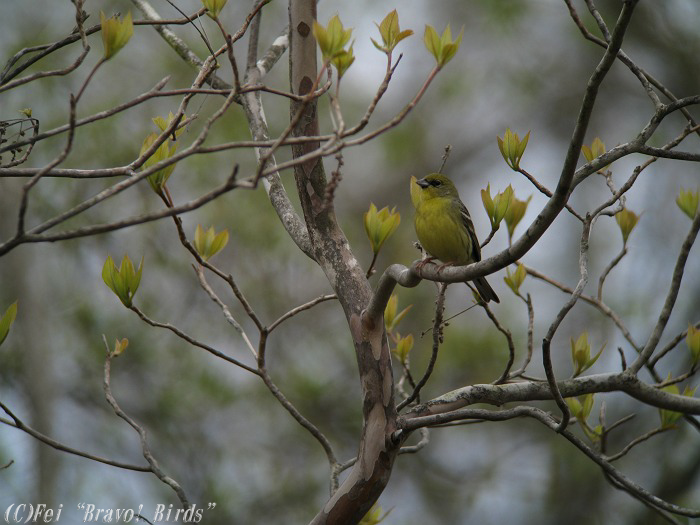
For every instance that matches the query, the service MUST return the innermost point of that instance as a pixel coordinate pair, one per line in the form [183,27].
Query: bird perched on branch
[444,227]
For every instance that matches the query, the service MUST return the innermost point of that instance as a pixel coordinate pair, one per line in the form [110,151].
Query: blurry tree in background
[179,166]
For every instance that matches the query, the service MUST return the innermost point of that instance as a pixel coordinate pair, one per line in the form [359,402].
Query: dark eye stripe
[435,183]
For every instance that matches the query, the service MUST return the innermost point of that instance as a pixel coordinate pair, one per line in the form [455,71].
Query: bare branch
[635,442]
[437,339]
[301,308]
[176,42]
[520,392]
[252,105]
[509,340]
[393,275]
[670,345]
[148,456]
[20,425]
[600,305]
[608,269]
[530,338]
[46,49]
[546,357]
[628,62]
[44,74]
[112,226]
[182,335]
[542,189]
[665,313]
[225,309]
[289,407]
[628,485]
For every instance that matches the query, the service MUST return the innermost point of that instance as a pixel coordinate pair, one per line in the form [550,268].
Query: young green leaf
[489,206]
[515,280]
[214,7]
[502,203]
[166,150]
[115,33]
[391,318]
[512,148]
[515,213]
[391,33]
[443,48]
[6,321]
[693,342]
[380,225]
[123,281]
[669,417]
[581,354]
[332,38]
[687,201]
[626,220]
[342,61]
[119,346]
[164,123]
[210,243]
[403,347]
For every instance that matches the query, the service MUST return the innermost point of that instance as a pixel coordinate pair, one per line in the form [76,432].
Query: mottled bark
[330,249]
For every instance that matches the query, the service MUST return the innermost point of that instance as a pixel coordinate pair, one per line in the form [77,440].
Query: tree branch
[628,485]
[148,456]
[437,339]
[665,313]
[20,425]
[540,391]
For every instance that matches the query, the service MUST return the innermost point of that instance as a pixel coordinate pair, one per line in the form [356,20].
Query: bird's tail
[485,290]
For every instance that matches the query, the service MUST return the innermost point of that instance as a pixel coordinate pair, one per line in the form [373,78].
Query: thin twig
[20,425]
[24,199]
[177,43]
[548,193]
[224,308]
[445,156]
[543,417]
[182,335]
[671,345]
[46,49]
[509,339]
[530,338]
[44,74]
[546,357]
[665,313]
[635,442]
[600,305]
[437,339]
[488,238]
[292,410]
[408,449]
[146,450]
[96,229]
[608,269]
[301,308]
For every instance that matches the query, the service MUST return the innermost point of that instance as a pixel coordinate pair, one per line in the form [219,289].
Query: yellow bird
[444,227]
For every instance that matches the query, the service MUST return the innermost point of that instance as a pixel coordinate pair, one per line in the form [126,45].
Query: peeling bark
[331,250]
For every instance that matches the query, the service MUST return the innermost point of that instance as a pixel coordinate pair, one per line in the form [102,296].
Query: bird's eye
[435,183]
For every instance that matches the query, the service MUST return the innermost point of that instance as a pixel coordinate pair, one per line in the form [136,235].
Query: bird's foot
[425,261]
[443,266]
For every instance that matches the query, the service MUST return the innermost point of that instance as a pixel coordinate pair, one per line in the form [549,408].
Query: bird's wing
[469,225]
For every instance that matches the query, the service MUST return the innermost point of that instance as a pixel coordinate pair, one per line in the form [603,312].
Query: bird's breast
[442,235]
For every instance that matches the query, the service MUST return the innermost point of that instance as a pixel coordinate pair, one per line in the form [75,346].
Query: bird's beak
[423,183]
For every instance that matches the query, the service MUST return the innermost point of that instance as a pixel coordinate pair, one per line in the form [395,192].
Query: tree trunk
[331,251]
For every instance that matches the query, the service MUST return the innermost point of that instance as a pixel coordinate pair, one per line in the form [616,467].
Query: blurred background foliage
[217,430]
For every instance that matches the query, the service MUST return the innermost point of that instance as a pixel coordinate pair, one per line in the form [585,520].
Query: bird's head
[436,185]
